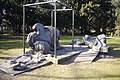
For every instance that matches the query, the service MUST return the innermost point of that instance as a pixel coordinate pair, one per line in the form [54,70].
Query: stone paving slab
[6,67]
[87,56]
[83,54]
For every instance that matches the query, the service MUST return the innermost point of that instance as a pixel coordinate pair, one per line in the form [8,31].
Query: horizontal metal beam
[63,4]
[49,9]
[40,8]
[39,3]
[63,10]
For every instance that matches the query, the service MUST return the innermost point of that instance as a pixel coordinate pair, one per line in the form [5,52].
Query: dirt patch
[5,76]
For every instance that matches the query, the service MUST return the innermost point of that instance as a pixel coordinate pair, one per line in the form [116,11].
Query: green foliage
[116,3]
[11,16]
[99,15]
[88,8]
[89,15]
[117,32]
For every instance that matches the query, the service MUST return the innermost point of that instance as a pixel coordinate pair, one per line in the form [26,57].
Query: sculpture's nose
[34,28]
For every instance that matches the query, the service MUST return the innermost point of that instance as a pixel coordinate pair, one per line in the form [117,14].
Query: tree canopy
[91,16]
[116,4]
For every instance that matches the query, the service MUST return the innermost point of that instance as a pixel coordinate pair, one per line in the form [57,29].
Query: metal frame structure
[53,13]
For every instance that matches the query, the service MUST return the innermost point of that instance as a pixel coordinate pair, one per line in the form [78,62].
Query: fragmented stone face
[42,39]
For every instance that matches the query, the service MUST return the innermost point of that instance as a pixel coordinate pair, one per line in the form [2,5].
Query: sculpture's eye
[34,29]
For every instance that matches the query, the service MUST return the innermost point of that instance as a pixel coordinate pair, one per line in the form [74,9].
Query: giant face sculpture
[42,39]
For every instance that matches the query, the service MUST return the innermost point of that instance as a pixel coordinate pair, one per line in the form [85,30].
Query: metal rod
[72,28]
[40,8]
[39,3]
[63,4]
[52,22]
[55,49]
[24,29]
[48,9]
[63,10]
[52,18]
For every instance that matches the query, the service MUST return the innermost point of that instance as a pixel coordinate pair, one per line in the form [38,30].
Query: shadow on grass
[71,60]
[115,53]
[65,43]
[114,50]
[75,78]
[6,58]
[11,44]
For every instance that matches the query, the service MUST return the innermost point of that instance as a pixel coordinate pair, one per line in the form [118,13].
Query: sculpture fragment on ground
[98,44]
[41,41]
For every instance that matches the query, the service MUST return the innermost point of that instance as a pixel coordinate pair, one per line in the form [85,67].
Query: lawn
[105,70]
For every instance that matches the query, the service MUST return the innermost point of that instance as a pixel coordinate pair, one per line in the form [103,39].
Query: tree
[116,3]
[98,15]
[12,15]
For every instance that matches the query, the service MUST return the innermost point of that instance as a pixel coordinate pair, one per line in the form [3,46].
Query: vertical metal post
[55,49]
[72,28]
[51,17]
[23,29]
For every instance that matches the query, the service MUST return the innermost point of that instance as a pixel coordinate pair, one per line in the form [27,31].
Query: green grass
[114,43]
[106,70]
[10,44]
[67,39]
[11,47]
